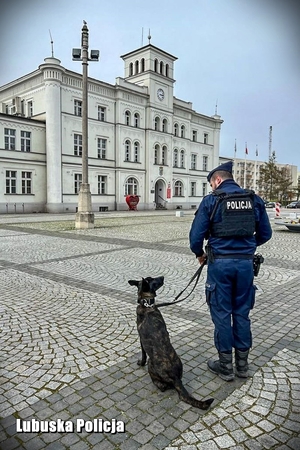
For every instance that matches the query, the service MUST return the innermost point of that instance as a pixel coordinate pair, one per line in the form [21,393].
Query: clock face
[160,94]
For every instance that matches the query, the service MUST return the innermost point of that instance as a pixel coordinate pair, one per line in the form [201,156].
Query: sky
[239,57]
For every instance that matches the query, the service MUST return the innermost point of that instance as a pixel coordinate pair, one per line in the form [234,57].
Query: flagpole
[255,164]
[246,152]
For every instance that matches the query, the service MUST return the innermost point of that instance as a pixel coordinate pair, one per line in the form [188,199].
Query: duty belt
[233,256]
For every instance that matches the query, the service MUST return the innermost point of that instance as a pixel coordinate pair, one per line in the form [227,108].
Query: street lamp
[84,217]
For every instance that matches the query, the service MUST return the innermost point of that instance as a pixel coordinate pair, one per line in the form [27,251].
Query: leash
[195,276]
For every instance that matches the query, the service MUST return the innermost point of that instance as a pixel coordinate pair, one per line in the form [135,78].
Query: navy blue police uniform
[234,222]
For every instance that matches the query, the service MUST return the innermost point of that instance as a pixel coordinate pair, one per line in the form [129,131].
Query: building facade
[250,177]
[141,139]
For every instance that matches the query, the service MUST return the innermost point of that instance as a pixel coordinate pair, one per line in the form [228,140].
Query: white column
[52,76]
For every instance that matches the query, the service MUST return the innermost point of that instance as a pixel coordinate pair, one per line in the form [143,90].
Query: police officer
[235,222]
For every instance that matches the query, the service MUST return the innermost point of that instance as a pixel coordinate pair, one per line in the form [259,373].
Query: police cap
[226,166]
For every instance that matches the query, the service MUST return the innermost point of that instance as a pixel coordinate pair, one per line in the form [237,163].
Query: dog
[164,365]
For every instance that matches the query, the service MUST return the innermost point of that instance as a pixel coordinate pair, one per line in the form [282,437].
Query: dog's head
[147,287]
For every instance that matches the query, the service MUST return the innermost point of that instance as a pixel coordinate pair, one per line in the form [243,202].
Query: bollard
[277,210]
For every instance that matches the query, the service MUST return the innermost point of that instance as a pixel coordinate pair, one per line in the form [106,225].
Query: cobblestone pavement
[70,346]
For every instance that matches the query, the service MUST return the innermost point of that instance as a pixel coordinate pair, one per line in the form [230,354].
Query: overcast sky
[243,55]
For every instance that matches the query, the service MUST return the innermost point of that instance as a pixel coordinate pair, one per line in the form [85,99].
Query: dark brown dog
[164,365]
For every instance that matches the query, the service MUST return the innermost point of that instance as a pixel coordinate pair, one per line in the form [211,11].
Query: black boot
[222,367]
[241,363]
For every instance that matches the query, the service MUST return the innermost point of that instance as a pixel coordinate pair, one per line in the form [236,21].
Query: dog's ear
[133,282]
[157,283]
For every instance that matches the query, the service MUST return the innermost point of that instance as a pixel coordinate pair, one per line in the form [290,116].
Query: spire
[52,49]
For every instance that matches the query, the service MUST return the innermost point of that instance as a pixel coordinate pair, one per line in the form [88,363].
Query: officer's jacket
[203,228]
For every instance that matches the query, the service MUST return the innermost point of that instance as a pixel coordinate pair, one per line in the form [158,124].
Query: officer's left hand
[202,258]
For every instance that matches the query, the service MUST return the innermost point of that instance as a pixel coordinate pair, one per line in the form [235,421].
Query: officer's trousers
[230,294]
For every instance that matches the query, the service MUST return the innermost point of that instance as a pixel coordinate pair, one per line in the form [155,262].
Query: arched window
[130,69]
[176,128]
[156,154]
[131,186]
[127,150]
[178,189]
[156,123]
[155,65]
[161,66]
[182,131]
[167,70]
[165,126]
[127,117]
[164,155]
[175,158]
[136,148]
[142,65]
[182,159]
[136,67]
[136,120]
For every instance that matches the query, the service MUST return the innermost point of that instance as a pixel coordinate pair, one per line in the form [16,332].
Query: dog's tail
[187,398]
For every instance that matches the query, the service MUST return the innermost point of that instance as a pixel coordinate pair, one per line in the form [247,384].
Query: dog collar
[147,302]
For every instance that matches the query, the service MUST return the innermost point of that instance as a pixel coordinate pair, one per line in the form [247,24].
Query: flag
[256,152]
[235,148]
[246,150]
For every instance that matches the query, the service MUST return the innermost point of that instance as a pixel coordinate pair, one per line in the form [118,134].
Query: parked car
[271,204]
[293,205]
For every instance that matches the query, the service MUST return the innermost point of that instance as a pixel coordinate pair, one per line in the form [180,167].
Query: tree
[274,182]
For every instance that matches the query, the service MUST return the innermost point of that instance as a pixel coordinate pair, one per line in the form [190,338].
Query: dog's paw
[141,362]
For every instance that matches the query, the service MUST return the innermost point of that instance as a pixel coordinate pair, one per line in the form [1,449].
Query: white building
[142,139]
[250,178]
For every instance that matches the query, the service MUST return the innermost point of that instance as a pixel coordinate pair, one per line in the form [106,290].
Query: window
[176,129]
[101,147]
[136,67]
[205,159]
[156,154]
[127,150]
[136,148]
[178,189]
[142,65]
[26,182]
[193,161]
[164,156]
[156,123]
[130,69]
[205,138]
[182,131]
[127,117]
[204,189]
[182,159]
[167,70]
[9,139]
[77,144]
[25,141]
[136,120]
[194,136]
[101,113]
[29,109]
[161,67]
[193,188]
[175,158]
[102,184]
[78,107]
[131,186]
[77,182]
[11,182]
[155,65]
[165,126]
